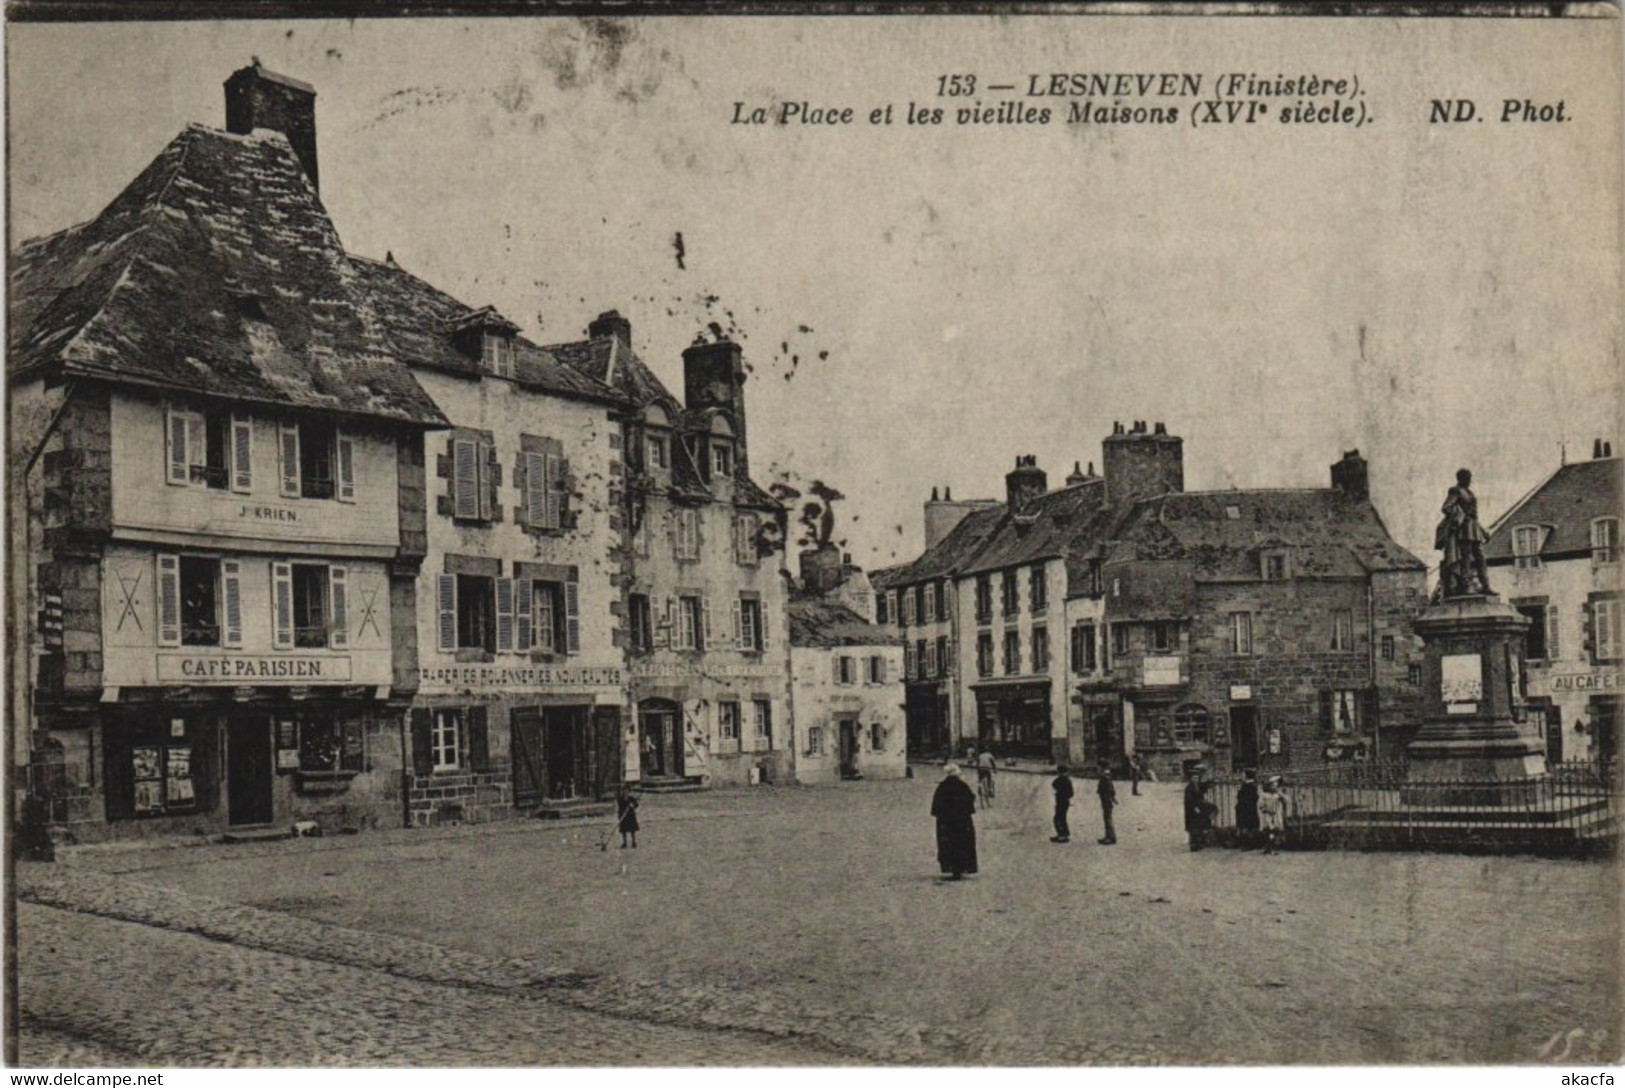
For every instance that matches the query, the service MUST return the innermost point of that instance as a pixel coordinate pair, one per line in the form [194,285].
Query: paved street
[808,926]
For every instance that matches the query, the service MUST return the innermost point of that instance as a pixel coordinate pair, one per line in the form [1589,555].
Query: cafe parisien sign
[253,668]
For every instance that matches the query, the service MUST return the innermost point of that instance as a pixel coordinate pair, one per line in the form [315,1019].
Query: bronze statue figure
[1462,571]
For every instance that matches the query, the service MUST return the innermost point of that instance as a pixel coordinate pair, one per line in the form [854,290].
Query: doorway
[850,737]
[249,773]
[662,744]
[563,754]
[1243,737]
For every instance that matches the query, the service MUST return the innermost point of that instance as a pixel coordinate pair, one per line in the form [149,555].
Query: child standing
[626,805]
[1272,813]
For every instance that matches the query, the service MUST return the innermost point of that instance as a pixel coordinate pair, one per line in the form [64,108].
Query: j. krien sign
[253,668]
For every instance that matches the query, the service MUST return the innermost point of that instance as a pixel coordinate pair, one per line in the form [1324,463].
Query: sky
[920,305]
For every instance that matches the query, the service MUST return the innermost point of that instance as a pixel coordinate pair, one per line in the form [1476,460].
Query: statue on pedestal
[1462,572]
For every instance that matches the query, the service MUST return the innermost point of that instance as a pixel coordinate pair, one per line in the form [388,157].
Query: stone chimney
[943,515]
[1024,483]
[1141,463]
[821,568]
[714,377]
[1349,476]
[257,97]
[611,324]
[1601,449]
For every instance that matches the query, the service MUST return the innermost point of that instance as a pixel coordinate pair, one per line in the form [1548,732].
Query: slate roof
[420,319]
[216,272]
[1222,533]
[819,623]
[1050,526]
[611,361]
[949,554]
[1568,501]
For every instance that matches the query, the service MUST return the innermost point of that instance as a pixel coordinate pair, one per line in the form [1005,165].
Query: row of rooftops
[1332,532]
[217,273]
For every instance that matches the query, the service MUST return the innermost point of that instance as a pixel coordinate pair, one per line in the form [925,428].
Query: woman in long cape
[954,806]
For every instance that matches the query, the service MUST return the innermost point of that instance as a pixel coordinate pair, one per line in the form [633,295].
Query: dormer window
[659,450]
[1275,566]
[718,450]
[496,353]
[1526,545]
[722,460]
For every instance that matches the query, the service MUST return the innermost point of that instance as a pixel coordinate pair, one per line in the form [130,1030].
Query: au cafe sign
[1595,680]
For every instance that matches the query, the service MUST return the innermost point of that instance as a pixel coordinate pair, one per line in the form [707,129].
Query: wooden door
[249,773]
[529,767]
[1243,737]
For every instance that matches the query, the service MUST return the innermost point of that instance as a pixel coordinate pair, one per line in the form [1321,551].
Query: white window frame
[815,740]
[686,532]
[1605,640]
[445,739]
[721,459]
[762,713]
[1342,629]
[657,451]
[909,600]
[1349,699]
[1040,637]
[1038,589]
[723,731]
[930,603]
[497,354]
[1527,542]
[1604,550]
[1241,634]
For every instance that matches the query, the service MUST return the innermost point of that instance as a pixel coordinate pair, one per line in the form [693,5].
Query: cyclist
[984,777]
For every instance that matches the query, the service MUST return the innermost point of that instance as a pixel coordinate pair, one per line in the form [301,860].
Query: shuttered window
[339,608]
[505,616]
[469,474]
[231,594]
[346,468]
[524,609]
[288,456]
[169,600]
[686,533]
[282,605]
[446,607]
[242,454]
[572,618]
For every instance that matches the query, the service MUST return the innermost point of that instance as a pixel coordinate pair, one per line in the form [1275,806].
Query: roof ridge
[1495,526]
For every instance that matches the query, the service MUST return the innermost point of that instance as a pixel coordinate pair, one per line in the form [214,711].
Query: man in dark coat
[1247,809]
[1062,785]
[1108,801]
[954,806]
[1198,809]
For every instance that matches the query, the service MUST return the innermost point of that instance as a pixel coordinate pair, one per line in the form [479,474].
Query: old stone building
[845,677]
[216,458]
[1120,614]
[521,699]
[1555,557]
[702,583]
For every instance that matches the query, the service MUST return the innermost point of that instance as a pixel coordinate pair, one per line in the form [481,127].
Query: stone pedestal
[1473,647]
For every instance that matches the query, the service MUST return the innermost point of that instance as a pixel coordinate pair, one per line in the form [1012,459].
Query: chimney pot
[1596,449]
[947,494]
[1161,429]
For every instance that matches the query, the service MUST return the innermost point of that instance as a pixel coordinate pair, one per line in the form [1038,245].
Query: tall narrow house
[704,589]
[217,462]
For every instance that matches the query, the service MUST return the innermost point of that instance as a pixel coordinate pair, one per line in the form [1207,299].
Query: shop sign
[681,669]
[1596,680]
[522,676]
[1161,672]
[237,668]
[1240,693]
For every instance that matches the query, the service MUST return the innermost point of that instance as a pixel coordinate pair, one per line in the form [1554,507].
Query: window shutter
[484,478]
[1553,651]
[761,626]
[535,490]
[288,445]
[242,454]
[1328,711]
[338,581]
[479,742]
[835,668]
[282,605]
[175,447]
[504,615]
[346,473]
[196,443]
[572,619]
[422,742]
[553,514]
[169,600]
[524,607]
[231,596]
[465,479]
[739,625]
[706,639]
[447,606]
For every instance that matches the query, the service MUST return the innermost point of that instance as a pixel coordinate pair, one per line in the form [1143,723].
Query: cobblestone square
[809,926]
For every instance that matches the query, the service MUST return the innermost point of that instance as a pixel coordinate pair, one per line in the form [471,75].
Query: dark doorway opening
[249,773]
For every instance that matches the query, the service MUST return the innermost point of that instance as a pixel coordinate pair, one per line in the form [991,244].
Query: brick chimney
[1024,483]
[1349,476]
[1139,463]
[610,323]
[257,97]
[714,377]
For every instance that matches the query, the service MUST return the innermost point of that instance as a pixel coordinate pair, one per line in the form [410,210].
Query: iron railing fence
[1573,809]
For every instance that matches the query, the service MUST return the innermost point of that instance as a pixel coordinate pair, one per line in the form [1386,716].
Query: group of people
[1260,810]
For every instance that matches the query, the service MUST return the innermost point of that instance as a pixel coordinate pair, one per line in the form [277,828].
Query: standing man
[1198,809]
[984,776]
[1062,785]
[1247,809]
[1108,799]
[1134,774]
